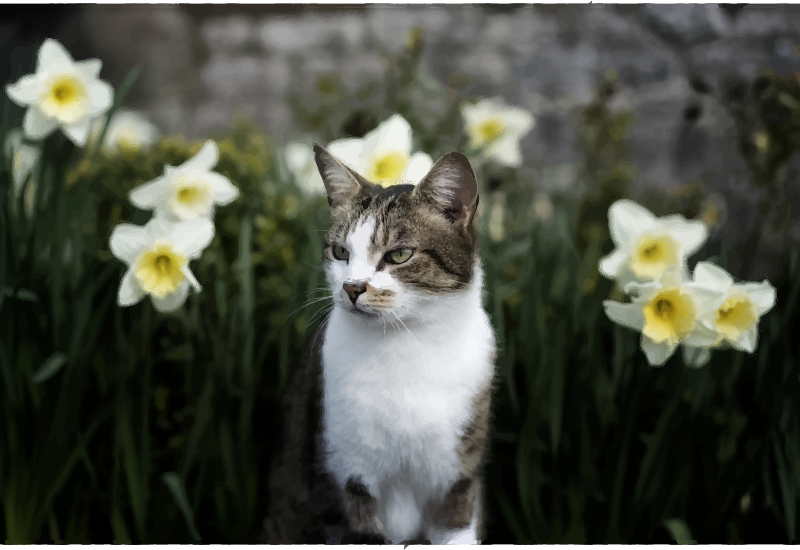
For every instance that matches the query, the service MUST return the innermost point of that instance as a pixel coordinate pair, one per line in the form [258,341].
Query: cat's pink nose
[354,290]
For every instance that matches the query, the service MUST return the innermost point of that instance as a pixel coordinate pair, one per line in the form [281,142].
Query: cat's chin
[355,310]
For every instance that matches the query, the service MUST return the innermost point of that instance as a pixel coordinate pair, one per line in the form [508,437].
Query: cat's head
[392,250]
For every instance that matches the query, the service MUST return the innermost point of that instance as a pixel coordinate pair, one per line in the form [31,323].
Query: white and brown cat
[386,419]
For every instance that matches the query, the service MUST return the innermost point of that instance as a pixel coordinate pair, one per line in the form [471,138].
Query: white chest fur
[394,404]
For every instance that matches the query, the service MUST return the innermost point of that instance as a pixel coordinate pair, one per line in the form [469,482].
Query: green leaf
[118,97]
[118,528]
[8,376]
[510,515]
[174,483]
[132,472]
[679,531]
[653,447]
[50,367]
[787,490]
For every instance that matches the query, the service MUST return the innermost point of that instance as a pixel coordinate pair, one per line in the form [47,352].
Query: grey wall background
[203,64]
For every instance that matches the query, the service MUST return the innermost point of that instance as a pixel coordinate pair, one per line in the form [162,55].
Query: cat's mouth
[369,314]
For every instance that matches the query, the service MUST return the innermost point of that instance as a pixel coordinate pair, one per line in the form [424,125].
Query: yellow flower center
[489,129]
[65,99]
[188,195]
[64,92]
[160,270]
[736,316]
[653,255]
[387,169]
[670,316]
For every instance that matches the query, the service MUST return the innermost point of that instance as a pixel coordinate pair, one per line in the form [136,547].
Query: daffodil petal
[25,90]
[762,294]
[130,292]
[191,278]
[747,341]
[127,242]
[224,191]
[711,275]
[78,133]
[191,237]
[89,68]
[639,290]
[102,96]
[657,354]
[627,315]
[692,234]
[505,151]
[172,302]
[146,196]
[205,159]
[520,122]
[36,125]
[394,134]
[52,53]
[702,335]
[613,265]
[418,167]
[349,152]
[695,357]
[626,219]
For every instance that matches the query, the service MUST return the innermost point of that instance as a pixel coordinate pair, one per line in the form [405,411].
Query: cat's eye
[399,255]
[340,253]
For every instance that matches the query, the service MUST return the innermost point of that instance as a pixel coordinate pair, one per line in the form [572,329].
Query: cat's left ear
[342,184]
[451,186]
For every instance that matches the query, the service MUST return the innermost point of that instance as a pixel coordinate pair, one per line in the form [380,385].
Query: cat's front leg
[361,509]
[458,520]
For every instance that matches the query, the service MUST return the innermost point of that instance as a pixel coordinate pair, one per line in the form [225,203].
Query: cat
[386,419]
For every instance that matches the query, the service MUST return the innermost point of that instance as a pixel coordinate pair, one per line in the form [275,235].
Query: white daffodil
[666,312]
[189,190]
[383,156]
[157,256]
[645,246]
[496,128]
[61,93]
[128,132]
[24,158]
[734,317]
[300,161]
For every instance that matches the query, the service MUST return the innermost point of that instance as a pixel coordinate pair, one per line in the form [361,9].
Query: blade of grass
[679,531]
[510,516]
[654,446]
[613,534]
[787,490]
[174,483]
[50,367]
[118,97]
[132,471]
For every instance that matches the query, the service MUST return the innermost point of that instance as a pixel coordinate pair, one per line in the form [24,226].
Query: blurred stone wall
[203,64]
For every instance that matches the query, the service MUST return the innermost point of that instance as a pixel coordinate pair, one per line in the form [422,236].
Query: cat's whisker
[320,289]
[404,326]
[312,266]
[324,310]
[305,305]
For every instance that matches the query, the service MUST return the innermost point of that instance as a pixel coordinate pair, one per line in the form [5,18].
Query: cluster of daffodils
[387,156]
[700,313]
[668,307]
[158,254]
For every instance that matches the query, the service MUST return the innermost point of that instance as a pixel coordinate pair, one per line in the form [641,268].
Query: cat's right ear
[342,184]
